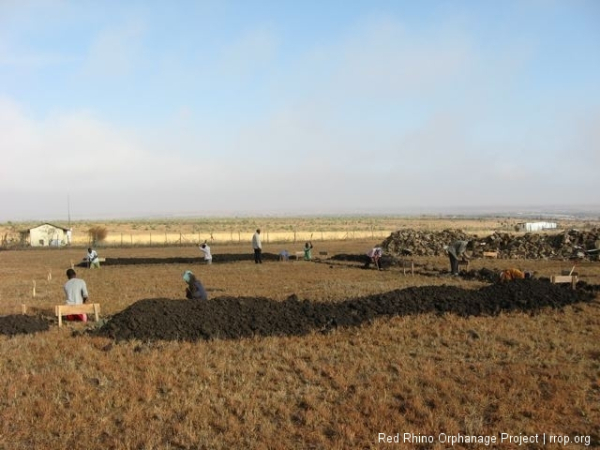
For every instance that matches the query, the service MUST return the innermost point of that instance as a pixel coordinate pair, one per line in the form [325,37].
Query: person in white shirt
[374,255]
[93,260]
[205,249]
[76,293]
[257,246]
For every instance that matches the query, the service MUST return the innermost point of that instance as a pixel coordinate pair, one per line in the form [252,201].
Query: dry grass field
[520,374]
[291,229]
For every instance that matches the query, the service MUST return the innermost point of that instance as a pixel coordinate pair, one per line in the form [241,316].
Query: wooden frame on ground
[87,308]
[565,279]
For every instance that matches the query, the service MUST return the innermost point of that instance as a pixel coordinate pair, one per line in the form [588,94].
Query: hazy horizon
[532,212]
[130,109]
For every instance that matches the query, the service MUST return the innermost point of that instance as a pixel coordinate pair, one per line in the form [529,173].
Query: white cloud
[77,151]
[116,51]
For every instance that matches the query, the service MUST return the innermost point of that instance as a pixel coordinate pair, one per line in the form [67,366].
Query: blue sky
[137,108]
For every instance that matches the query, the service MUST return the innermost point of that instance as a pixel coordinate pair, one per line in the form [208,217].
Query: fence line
[161,239]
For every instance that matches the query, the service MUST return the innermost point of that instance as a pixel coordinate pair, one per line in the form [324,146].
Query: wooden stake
[33,292]
[49,275]
[72,266]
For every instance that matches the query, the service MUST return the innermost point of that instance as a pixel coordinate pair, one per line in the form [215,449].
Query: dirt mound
[234,318]
[565,245]
[385,261]
[481,275]
[22,324]
[221,258]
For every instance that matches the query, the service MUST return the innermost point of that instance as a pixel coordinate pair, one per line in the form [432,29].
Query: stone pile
[564,245]
[411,242]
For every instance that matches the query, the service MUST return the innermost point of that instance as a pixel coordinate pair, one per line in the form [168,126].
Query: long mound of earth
[22,324]
[386,261]
[220,258]
[234,318]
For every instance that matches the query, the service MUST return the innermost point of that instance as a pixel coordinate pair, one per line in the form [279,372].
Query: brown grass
[423,375]
[290,229]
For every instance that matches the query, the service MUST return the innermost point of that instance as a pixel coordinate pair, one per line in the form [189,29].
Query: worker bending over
[457,250]
[514,274]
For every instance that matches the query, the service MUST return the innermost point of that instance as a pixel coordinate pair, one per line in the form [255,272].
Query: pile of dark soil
[482,274]
[234,318]
[22,324]
[221,258]
[385,261]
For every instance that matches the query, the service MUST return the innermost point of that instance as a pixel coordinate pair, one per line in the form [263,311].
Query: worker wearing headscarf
[194,289]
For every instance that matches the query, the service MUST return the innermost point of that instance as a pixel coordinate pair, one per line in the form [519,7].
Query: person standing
[457,250]
[93,260]
[308,251]
[257,246]
[76,293]
[205,249]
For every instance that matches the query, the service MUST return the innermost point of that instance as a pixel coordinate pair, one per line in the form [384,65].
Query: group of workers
[76,290]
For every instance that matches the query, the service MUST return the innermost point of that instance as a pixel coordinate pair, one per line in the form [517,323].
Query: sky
[122,109]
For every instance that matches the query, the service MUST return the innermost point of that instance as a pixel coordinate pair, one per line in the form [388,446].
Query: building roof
[52,225]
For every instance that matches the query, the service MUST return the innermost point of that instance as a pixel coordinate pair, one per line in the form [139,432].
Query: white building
[536,226]
[46,234]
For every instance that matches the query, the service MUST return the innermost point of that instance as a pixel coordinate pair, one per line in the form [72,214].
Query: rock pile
[565,245]
[421,243]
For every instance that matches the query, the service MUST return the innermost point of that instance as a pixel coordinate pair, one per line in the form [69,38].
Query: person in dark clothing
[457,250]
[194,289]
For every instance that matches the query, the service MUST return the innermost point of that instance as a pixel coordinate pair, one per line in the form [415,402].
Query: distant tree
[97,234]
